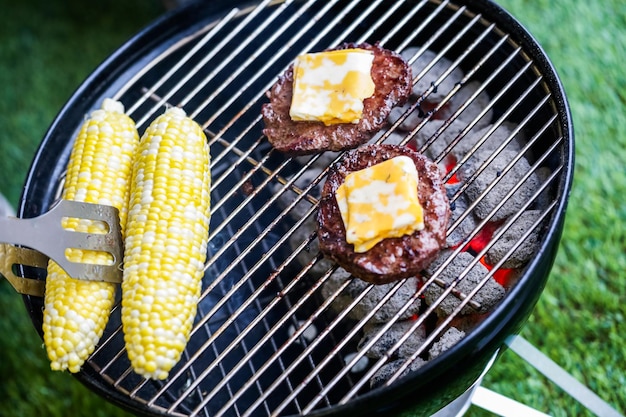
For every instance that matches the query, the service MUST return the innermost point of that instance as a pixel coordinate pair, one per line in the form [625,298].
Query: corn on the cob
[76,311]
[166,242]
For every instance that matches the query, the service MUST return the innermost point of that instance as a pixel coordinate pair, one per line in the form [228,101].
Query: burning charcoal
[447,136]
[510,238]
[490,293]
[300,235]
[393,138]
[545,198]
[458,100]
[507,182]
[390,337]
[465,323]
[368,303]
[323,160]
[495,139]
[388,370]
[458,207]
[450,338]
[412,119]
[438,68]
[423,84]
[474,108]
[301,182]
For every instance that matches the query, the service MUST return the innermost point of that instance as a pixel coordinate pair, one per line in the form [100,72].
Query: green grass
[578,319]
[46,51]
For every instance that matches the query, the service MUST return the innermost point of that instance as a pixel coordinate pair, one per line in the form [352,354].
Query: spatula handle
[10,256]
[46,235]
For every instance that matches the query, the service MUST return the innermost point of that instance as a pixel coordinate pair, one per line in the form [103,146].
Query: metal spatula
[47,238]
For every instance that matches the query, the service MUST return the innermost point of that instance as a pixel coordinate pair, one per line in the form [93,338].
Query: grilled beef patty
[392,258]
[392,80]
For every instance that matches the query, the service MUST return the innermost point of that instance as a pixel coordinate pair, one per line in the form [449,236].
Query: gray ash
[451,337]
[488,296]
[507,182]
[387,371]
[372,298]
[385,341]
[459,208]
[523,253]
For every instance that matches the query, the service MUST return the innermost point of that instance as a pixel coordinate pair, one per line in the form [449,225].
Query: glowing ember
[502,276]
[483,237]
[450,163]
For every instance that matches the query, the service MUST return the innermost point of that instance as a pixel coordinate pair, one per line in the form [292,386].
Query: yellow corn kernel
[99,170]
[166,242]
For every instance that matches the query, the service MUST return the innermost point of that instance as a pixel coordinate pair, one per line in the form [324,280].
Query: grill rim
[478,346]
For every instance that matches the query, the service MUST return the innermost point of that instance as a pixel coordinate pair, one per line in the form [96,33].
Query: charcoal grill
[267,339]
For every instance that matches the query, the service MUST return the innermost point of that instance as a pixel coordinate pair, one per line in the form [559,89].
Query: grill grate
[267,339]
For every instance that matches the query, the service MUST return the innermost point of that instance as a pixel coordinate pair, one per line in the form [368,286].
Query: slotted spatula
[46,238]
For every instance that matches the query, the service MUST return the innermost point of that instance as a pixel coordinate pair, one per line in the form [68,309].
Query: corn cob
[166,242]
[76,311]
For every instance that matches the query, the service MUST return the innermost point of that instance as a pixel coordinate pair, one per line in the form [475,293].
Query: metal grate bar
[276,55]
[255,227]
[548,210]
[232,34]
[443,326]
[268,65]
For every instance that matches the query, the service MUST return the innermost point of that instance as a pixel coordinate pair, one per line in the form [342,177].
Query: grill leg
[501,405]
[507,407]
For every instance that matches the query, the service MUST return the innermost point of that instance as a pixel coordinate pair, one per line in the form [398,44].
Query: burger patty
[392,80]
[392,258]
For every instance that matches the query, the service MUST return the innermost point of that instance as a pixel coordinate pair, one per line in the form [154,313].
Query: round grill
[279,330]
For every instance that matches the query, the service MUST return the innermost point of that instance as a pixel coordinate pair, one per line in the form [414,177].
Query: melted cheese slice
[380,202]
[330,86]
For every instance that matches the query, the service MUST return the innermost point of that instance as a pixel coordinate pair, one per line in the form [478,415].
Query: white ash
[467,143]
[390,337]
[458,208]
[360,365]
[523,253]
[368,304]
[387,371]
[451,337]
[507,182]
[488,296]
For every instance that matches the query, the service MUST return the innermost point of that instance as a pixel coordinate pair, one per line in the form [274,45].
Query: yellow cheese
[330,86]
[380,202]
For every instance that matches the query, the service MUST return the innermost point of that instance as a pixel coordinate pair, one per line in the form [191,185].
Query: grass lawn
[48,48]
